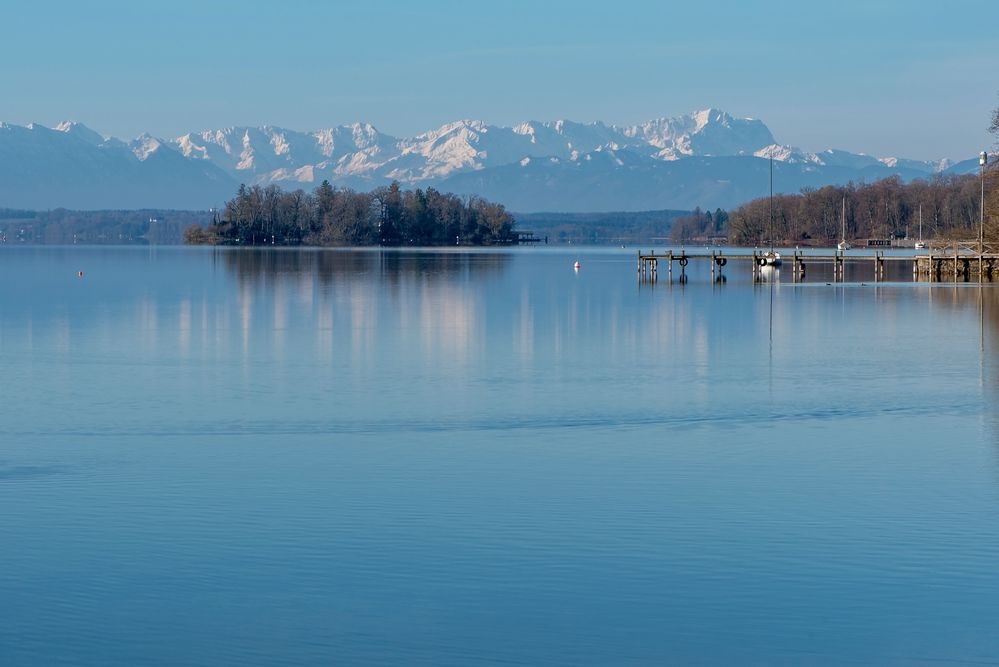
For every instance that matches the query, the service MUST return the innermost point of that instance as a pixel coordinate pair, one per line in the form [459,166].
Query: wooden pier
[525,237]
[957,262]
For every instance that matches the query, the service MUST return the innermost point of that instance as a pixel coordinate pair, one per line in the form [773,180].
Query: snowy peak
[337,141]
[144,145]
[274,153]
[706,132]
[80,131]
[926,166]
[789,154]
[565,137]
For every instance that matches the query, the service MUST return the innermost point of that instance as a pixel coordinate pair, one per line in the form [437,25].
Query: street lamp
[983,160]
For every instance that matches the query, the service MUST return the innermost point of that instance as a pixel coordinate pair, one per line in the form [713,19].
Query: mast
[771,229]
[842,218]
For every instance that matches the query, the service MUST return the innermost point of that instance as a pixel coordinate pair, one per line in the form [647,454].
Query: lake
[311,457]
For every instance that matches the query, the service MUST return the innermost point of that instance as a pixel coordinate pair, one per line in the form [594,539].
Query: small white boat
[770,258]
[920,245]
[843,245]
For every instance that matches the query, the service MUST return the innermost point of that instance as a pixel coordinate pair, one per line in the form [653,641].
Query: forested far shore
[887,209]
[62,226]
[610,228]
[333,216]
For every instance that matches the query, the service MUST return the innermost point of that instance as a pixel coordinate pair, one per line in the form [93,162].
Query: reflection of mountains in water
[389,265]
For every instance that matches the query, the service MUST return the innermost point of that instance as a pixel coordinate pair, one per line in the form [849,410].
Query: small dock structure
[525,237]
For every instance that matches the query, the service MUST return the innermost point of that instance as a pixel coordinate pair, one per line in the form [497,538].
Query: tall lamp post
[983,159]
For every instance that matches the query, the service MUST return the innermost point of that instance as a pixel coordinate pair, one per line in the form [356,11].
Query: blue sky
[915,79]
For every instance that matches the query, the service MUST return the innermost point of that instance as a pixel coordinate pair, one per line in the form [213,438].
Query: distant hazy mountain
[71,166]
[707,159]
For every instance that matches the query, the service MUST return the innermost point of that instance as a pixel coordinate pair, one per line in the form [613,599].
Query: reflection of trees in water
[355,300]
[987,301]
[328,266]
[988,306]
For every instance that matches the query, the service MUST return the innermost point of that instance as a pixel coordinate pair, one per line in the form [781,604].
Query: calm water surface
[465,458]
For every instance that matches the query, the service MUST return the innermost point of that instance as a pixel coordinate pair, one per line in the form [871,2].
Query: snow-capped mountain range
[707,158]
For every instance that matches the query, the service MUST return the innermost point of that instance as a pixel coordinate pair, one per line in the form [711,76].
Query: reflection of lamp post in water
[983,159]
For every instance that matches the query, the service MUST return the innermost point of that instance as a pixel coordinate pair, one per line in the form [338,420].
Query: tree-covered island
[333,216]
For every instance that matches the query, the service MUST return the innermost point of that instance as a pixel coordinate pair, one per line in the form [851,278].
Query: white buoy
[576,266]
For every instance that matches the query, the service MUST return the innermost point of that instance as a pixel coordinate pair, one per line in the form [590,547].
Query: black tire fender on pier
[683,261]
[721,261]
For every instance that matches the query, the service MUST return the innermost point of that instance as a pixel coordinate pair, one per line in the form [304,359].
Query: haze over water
[312,457]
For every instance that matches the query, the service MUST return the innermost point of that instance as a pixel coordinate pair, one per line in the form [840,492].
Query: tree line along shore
[950,208]
[330,216]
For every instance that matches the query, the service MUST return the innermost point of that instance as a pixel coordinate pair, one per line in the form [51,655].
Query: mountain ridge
[667,162]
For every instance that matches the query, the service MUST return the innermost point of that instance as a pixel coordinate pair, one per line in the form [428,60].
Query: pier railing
[963,248]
